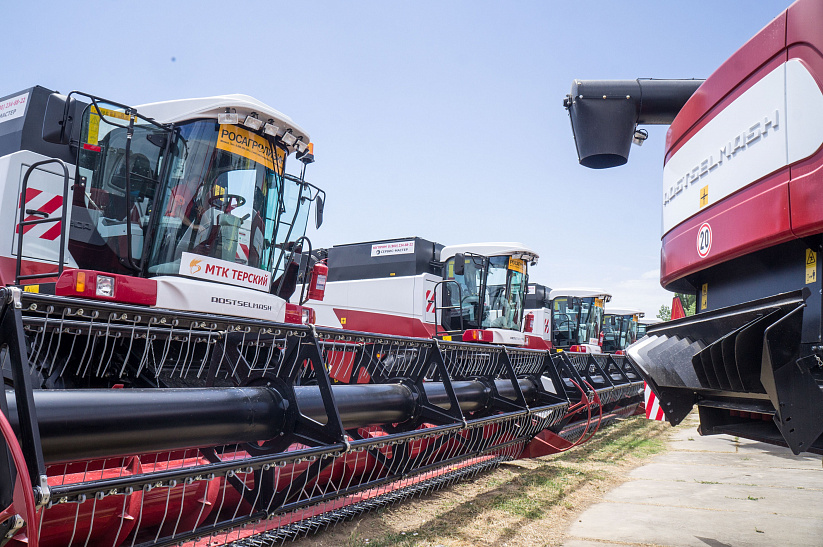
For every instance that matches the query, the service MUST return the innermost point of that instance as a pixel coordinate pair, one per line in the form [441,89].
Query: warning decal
[811,266]
[247,144]
[397,248]
[13,108]
[704,240]
[517,265]
[704,296]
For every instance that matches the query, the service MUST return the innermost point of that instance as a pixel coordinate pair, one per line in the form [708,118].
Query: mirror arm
[129,260]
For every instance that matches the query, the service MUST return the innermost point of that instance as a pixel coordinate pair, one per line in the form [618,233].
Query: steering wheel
[227,202]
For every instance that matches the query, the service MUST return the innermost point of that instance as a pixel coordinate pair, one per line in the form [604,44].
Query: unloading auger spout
[605,114]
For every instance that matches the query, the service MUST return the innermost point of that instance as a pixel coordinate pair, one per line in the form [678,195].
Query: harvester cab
[644,323]
[620,329]
[565,319]
[484,297]
[182,204]
[472,292]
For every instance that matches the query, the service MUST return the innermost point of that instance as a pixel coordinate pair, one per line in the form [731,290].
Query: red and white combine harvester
[160,389]
[742,208]
[477,293]
[564,319]
[620,328]
[644,324]
[415,287]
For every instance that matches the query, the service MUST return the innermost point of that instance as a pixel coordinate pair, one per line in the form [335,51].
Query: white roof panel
[579,293]
[209,107]
[513,249]
[624,311]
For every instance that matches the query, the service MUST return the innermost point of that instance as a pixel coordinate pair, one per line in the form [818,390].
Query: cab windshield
[217,191]
[620,331]
[505,293]
[491,293]
[576,320]
[222,200]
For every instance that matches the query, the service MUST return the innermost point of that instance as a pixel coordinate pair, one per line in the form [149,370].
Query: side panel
[40,242]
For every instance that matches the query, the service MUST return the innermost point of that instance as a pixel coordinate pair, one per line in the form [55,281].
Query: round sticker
[704,240]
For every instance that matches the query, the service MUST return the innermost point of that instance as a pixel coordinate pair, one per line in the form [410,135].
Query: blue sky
[437,119]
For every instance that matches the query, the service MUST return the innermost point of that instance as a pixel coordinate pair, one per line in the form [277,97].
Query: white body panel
[405,296]
[776,122]
[48,181]
[507,337]
[180,293]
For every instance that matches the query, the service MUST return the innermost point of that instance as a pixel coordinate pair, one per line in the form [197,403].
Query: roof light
[270,128]
[300,146]
[253,122]
[289,138]
[307,155]
[228,117]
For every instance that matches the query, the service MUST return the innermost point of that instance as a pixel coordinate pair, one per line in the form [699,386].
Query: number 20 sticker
[704,240]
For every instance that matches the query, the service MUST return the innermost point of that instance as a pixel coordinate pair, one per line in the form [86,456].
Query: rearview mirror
[459,264]
[58,119]
[318,212]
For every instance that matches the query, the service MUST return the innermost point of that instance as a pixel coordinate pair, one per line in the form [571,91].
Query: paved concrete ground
[711,491]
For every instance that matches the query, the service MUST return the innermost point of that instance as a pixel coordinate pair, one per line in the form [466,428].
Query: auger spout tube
[102,423]
[605,113]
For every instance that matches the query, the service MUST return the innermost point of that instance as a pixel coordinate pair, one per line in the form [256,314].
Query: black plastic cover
[362,261]
[25,132]
[537,297]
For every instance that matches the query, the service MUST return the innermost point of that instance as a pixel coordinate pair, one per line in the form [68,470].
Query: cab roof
[624,311]
[580,293]
[209,107]
[513,249]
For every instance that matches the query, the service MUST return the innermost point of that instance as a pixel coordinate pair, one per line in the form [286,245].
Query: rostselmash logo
[746,139]
[240,303]
[194,266]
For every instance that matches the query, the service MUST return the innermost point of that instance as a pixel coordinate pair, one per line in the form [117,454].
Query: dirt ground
[525,503]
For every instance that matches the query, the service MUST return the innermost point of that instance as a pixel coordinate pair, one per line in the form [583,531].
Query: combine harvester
[742,229]
[161,390]
[565,319]
[620,329]
[644,324]
[477,293]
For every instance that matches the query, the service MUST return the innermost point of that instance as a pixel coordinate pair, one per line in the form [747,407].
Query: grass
[516,504]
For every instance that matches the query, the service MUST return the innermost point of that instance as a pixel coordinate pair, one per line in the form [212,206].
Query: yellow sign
[31,288]
[704,196]
[254,147]
[557,302]
[517,265]
[811,266]
[94,121]
[598,302]
[704,296]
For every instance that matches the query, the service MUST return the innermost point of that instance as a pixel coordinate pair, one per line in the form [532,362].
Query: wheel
[227,202]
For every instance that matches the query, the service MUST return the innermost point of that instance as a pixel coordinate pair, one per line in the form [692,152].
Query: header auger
[182,427]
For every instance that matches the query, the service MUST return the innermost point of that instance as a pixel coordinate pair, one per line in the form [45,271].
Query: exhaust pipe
[605,114]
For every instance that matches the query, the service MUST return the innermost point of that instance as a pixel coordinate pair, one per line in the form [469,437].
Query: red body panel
[785,204]
[750,220]
[383,323]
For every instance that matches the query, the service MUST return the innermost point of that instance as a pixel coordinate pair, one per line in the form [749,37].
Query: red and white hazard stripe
[38,200]
[653,410]
[430,303]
